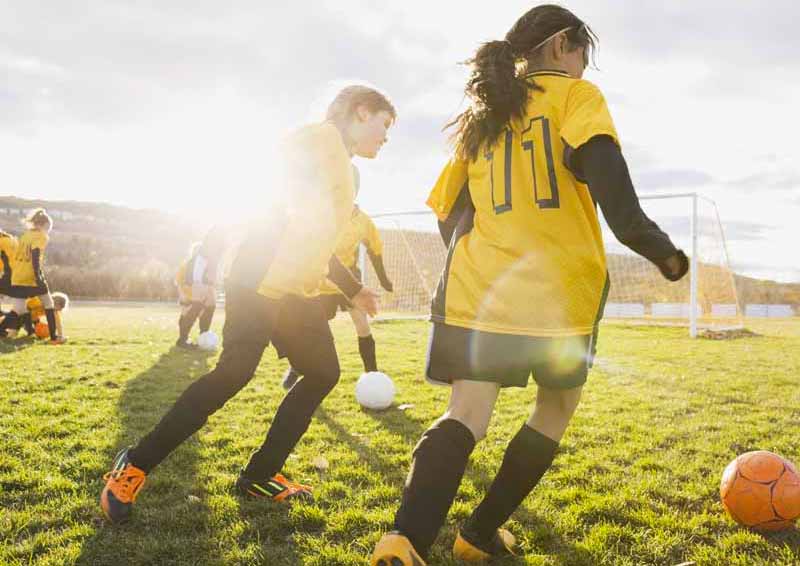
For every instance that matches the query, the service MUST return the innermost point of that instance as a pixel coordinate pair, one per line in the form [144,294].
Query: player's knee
[327,378]
[476,422]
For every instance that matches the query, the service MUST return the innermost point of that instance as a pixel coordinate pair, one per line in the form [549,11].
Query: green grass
[636,480]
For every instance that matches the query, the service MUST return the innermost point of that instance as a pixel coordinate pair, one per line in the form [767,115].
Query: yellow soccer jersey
[360,229]
[8,250]
[22,273]
[320,191]
[531,262]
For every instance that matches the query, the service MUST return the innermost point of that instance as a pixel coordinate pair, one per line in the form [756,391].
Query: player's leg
[303,335]
[250,319]
[50,313]
[13,322]
[209,307]
[561,371]
[330,305]
[439,461]
[189,314]
[366,343]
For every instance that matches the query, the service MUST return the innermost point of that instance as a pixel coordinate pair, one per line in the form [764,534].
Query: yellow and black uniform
[282,261]
[27,275]
[8,249]
[525,281]
[361,229]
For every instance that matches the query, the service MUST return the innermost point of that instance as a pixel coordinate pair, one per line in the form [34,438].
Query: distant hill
[100,250]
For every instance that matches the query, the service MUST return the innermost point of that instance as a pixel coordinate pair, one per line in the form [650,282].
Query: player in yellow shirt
[27,274]
[525,281]
[266,301]
[8,248]
[197,285]
[361,229]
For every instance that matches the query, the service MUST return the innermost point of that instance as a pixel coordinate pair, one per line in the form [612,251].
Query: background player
[27,274]
[197,279]
[8,247]
[267,301]
[526,281]
[361,229]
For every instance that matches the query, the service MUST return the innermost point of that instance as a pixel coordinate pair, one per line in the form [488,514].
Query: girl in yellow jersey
[280,264]
[27,274]
[8,248]
[197,285]
[361,229]
[525,282]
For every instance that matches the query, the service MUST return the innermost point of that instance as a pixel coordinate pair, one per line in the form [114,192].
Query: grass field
[636,480]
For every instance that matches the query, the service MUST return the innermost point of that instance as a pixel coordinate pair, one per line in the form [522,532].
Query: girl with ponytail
[525,282]
[27,275]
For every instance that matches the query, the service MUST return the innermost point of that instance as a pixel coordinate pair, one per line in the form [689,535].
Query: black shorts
[508,359]
[331,304]
[25,292]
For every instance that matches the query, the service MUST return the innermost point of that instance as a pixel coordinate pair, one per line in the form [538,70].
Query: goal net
[414,256]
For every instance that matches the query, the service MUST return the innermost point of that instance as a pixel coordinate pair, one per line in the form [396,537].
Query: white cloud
[153,104]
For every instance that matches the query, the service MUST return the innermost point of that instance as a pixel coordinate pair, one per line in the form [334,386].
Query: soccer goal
[414,256]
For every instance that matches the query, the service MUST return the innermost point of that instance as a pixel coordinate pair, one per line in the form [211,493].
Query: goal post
[414,256]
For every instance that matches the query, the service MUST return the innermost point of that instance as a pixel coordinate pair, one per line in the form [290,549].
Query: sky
[179,105]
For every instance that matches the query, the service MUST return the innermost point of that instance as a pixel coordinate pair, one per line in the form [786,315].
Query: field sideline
[636,480]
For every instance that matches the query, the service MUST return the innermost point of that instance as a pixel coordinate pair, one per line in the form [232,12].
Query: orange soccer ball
[761,491]
[41,330]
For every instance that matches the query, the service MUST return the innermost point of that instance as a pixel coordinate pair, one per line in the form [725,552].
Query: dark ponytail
[497,95]
[498,92]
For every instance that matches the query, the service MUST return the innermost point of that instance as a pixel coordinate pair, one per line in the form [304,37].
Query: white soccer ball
[208,341]
[375,390]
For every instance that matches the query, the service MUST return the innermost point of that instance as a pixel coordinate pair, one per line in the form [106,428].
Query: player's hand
[675,267]
[366,300]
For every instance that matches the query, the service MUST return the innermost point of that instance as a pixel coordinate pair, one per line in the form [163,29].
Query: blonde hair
[352,96]
[38,217]
[61,298]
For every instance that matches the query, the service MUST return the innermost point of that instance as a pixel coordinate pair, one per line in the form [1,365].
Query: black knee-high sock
[527,458]
[366,347]
[206,317]
[440,459]
[50,314]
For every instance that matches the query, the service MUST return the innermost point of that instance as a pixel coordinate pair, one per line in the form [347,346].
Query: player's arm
[362,298]
[600,163]
[343,278]
[375,252]
[448,226]
[36,260]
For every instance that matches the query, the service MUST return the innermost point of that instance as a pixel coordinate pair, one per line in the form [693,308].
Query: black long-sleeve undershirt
[600,163]
[36,260]
[380,270]
[343,278]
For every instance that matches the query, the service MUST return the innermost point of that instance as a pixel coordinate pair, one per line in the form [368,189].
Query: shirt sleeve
[372,238]
[450,184]
[586,116]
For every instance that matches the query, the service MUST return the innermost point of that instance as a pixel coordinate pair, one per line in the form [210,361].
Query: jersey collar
[548,72]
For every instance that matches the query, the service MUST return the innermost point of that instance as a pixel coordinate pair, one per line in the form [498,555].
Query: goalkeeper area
[705,300]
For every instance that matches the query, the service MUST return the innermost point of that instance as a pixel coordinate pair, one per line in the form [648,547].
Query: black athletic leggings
[298,328]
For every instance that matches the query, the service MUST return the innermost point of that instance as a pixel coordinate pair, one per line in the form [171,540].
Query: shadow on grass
[398,422]
[169,523]
[11,345]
